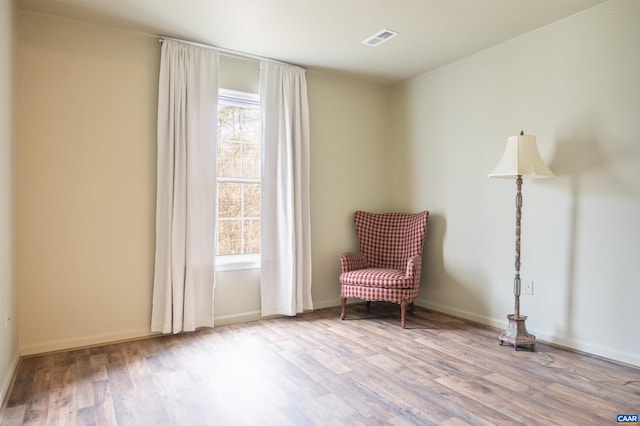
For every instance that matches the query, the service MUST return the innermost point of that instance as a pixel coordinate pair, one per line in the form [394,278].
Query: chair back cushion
[388,240]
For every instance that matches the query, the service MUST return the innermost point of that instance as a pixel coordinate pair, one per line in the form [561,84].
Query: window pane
[229,237]
[251,161]
[229,159]
[252,236]
[252,200]
[227,128]
[250,125]
[229,199]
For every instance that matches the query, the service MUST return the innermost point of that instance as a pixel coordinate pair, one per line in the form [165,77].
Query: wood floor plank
[104,411]
[83,383]
[86,416]
[315,369]
[13,416]
[38,404]
[23,383]
[500,400]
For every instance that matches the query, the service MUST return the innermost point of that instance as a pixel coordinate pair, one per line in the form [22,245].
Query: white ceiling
[327,34]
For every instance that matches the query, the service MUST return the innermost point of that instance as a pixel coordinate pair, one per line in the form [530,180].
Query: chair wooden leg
[343,303]
[403,310]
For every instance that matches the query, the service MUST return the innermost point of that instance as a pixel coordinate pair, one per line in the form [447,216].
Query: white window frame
[237,261]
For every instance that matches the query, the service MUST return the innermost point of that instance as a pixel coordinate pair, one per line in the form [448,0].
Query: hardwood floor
[317,370]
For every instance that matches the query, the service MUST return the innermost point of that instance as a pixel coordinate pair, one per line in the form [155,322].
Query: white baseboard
[330,303]
[257,315]
[66,344]
[6,380]
[99,339]
[237,318]
[625,357]
[471,316]
[590,348]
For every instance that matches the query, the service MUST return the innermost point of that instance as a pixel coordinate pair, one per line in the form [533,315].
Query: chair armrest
[414,266]
[352,261]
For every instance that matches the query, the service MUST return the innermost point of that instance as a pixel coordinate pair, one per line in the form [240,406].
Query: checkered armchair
[388,265]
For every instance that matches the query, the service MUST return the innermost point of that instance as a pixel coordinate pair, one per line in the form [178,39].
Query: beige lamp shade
[521,157]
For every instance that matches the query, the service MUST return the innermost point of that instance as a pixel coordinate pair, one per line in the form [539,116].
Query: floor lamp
[520,159]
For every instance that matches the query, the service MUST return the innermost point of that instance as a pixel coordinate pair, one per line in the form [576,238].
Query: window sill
[237,262]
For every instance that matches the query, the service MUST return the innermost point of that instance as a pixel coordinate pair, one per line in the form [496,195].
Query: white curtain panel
[186,189]
[286,243]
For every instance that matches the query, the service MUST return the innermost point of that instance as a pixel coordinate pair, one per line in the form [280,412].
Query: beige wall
[575,85]
[8,201]
[348,170]
[87,182]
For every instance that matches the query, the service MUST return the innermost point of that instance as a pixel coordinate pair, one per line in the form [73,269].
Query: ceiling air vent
[379,37]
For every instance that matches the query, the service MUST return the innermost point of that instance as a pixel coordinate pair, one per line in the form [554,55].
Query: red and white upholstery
[388,265]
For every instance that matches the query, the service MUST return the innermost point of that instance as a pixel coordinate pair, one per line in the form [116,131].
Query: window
[238,179]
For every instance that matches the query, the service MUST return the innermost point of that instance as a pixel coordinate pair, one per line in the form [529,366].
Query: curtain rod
[227,52]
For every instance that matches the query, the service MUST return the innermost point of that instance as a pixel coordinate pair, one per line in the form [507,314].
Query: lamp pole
[516,333]
[516,280]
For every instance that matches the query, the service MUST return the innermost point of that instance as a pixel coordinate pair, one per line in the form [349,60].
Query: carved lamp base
[516,333]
